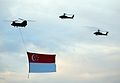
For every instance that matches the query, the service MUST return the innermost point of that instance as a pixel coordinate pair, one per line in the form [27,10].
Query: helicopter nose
[94,33]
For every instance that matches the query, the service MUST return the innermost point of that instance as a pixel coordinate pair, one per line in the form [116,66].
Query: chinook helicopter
[16,23]
[64,16]
[101,33]
[20,22]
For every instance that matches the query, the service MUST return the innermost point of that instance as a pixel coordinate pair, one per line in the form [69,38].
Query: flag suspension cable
[20,31]
[22,39]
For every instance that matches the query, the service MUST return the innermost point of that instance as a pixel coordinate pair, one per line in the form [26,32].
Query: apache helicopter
[101,33]
[64,16]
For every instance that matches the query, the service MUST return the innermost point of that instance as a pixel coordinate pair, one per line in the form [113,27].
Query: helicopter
[101,33]
[20,22]
[16,23]
[64,16]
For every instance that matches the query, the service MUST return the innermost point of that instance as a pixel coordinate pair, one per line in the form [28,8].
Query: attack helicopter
[101,33]
[64,16]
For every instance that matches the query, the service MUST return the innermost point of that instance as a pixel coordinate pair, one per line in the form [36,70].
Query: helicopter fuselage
[99,33]
[22,24]
[66,17]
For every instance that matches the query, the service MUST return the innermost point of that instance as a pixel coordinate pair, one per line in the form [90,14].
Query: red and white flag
[41,62]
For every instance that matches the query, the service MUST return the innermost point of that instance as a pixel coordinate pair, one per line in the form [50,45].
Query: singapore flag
[41,63]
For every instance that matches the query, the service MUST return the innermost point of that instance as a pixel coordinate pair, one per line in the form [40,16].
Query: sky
[81,57]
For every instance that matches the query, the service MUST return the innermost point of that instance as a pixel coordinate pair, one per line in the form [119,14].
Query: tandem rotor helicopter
[20,22]
[64,16]
[101,33]
[17,24]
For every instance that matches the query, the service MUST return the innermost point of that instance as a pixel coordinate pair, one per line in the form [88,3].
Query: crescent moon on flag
[33,57]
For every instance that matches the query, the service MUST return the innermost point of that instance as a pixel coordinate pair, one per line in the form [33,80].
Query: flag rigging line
[20,31]
[21,35]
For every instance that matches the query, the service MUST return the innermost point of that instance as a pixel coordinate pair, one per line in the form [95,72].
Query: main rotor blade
[27,20]
[20,18]
[10,20]
[69,14]
[31,20]
[7,20]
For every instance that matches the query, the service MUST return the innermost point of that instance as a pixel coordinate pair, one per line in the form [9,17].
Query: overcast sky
[81,57]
